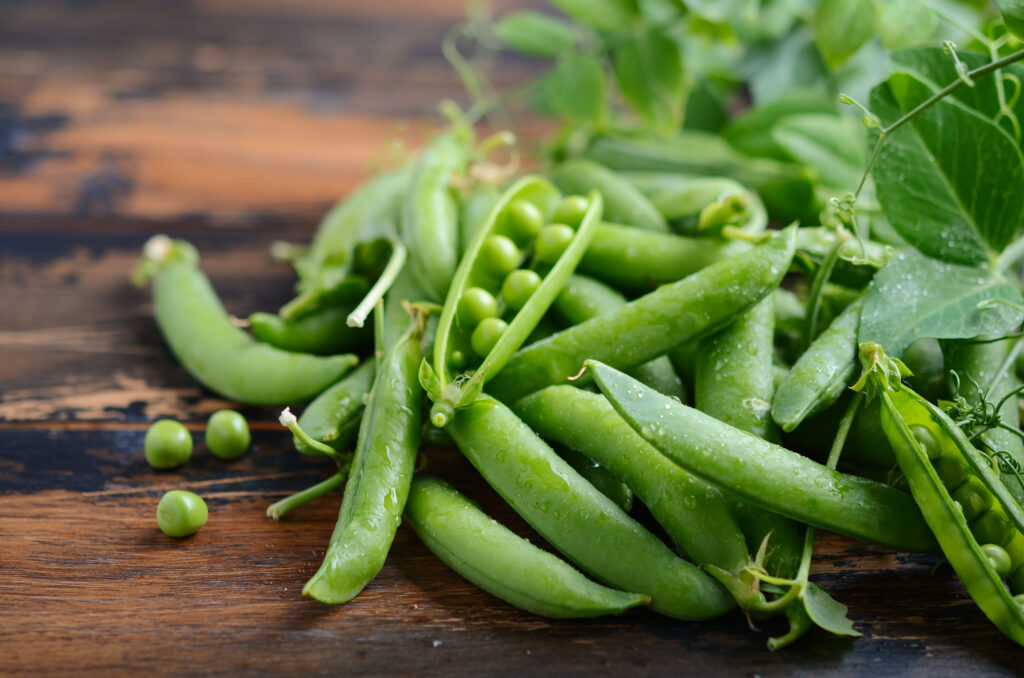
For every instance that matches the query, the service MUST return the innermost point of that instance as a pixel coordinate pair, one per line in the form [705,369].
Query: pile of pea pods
[592,338]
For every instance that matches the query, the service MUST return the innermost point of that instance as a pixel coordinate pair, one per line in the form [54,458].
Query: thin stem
[289,421]
[278,509]
[821,276]
[357,318]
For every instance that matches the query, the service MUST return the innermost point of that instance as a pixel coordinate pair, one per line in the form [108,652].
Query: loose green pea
[475,304]
[571,210]
[519,286]
[457,360]
[181,513]
[499,255]
[487,334]
[168,444]
[552,241]
[998,558]
[926,439]
[227,435]
[992,528]
[974,498]
[524,221]
[952,472]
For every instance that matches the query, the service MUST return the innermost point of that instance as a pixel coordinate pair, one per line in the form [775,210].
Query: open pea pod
[978,524]
[473,341]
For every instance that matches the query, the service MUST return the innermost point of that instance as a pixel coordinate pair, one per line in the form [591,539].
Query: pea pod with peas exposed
[977,522]
[764,473]
[213,349]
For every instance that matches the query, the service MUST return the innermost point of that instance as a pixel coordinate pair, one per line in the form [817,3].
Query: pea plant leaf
[955,196]
[841,27]
[575,89]
[915,296]
[905,23]
[536,34]
[649,69]
[1013,16]
[832,145]
[604,15]
[827,612]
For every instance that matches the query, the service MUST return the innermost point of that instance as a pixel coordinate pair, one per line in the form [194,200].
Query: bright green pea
[524,221]
[475,304]
[571,210]
[974,498]
[552,241]
[168,444]
[457,360]
[499,255]
[926,439]
[227,435]
[519,286]
[181,513]
[952,471]
[998,558]
[487,334]
[992,528]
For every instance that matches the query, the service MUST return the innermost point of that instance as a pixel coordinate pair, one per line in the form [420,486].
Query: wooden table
[235,123]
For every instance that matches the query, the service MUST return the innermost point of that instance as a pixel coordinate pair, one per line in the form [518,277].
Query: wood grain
[235,124]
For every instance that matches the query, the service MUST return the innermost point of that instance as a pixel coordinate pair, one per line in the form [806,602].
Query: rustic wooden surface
[236,123]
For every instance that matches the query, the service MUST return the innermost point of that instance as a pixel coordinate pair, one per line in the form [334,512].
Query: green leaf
[949,180]
[791,63]
[827,612]
[649,68]
[576,87]
[841,27]
[915,297]
[536,34]
[905,23]
[1013,16]
[934,66]
[615,16]
[832,145]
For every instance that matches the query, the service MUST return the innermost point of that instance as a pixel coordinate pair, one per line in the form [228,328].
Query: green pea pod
[764,473]
[325,270]
[333,416]
[220,355]
[474,211]
[652,325]
[583,524]
[584,298]
[977,366]
[502,563]
[623,202]
[924,440]
[598,476]
[734,384]
[429,223]
[821,374]
[378,483]
[695,514]
[635,260]
[322,332]
[692,200]
[454,335]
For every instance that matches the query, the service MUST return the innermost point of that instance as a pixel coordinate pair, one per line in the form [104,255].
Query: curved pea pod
[652,325]
[430,217]
[583,524]
[475,208]
[502,563]
[322,332]
[636,260]
[764,473]
[220,355]
[695,514]
[598,476]
[623,202]
[821,374]
[378,484]
[977,364]
[326,273]
[333,416]
[702,203]
[455,335]
[923,438]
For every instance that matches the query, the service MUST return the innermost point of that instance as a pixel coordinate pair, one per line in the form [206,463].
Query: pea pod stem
[357,318]
[279,509]
[291,422]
